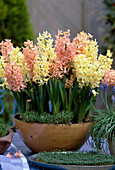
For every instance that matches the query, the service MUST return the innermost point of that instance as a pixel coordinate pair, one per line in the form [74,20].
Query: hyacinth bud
[90,92]
[101,87]
[105,86]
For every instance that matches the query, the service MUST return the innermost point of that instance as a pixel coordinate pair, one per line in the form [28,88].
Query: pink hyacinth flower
[14,77]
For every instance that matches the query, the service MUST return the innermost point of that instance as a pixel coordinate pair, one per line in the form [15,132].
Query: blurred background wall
[76,15]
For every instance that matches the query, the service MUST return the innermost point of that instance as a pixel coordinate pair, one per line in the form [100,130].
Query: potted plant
[68,160]
[6,135]
[104,120]
[54,86]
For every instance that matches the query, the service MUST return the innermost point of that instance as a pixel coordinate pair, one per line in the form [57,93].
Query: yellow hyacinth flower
[46,49]
[2,72]
[41,71]
[89,67]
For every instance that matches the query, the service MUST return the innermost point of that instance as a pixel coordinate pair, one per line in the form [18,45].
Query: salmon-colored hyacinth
[14,77]
[30,51]
[80,41]
[6,47]
[65,51]
[109,77]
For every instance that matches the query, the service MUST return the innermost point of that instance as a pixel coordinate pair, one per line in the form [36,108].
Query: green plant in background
[63,116]
[3,129]
[14,22]
[103,128]
[109,38]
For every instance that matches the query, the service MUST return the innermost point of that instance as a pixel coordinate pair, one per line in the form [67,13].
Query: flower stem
[106,103]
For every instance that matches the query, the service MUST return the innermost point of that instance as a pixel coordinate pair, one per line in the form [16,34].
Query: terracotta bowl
[6,141]
[49,137]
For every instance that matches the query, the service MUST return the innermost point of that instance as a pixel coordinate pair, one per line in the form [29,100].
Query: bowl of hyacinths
[55,84]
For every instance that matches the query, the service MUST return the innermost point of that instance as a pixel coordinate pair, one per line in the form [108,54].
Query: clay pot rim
[16,116]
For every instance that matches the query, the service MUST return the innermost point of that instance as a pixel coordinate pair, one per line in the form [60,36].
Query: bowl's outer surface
[49,137]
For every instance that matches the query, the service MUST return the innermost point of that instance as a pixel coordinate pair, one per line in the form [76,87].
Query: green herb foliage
[103,128]
[3,130]
[60,117]
[103,124]
[75,158]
